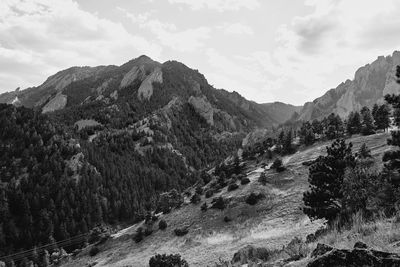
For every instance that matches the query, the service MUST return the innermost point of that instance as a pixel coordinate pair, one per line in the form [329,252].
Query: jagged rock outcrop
[370,84]
[203,108]
[250,254]
[146,88]
[360,255]
[137,72]
[56,103]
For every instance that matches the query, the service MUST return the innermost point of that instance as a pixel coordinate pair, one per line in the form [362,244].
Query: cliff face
[370,84]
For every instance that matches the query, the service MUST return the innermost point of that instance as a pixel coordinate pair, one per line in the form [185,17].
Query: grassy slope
[271,223]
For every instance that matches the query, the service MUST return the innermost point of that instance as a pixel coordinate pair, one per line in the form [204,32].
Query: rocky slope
[370,84]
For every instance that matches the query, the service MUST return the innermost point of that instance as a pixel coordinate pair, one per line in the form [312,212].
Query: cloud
[218,5]
[40,37]
[317,51]
[236,29]
[188,40]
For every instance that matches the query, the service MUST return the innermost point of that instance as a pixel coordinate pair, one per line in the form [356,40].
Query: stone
[360,245]
[146,88]
[203,107]
[250,254]
[360,256]
[321,249]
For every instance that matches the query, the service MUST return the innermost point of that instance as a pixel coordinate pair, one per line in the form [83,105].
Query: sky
[291,51]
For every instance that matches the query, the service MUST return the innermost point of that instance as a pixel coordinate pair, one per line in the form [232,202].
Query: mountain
[153,84]
[98,145]
[370,84]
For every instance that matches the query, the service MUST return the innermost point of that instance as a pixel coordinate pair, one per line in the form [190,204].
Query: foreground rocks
[360,255]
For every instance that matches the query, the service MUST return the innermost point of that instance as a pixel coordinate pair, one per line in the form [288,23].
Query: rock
[321,249]
[203,108]
[146,88]
[135,73]
[250,254]
[56,103]
[370,84]
[360,245]
[356,257]
[2,264]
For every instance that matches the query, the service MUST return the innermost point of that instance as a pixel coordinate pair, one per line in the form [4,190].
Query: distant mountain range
[156,83]
[152,83]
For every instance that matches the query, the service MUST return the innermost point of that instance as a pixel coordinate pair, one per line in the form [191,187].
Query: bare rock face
[137,72]
[361,255]
[203,108]
[369,86]
[146,88]
[57,103]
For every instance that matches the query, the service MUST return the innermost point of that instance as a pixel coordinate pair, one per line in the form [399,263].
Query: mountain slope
[370,84]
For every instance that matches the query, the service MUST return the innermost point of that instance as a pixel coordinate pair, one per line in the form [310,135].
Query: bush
[162,225]
[244,181]
[218,203]
[139,235]
[262,179]
[148,231]
[227,219]
[278,165]
[195,198]
[94,251]
[232,187]
[172,260]
[253,198]
[209,193]
[199,190]
[181,231]
[204,206]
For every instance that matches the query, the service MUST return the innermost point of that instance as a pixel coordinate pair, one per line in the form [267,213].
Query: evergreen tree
[324,199]
[334,126]
[367,122]
[382,117]
[317,127]
[353,123]
[306,134]
[364,152]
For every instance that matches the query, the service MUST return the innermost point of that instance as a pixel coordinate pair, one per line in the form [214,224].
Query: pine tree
[367,122]
[306,134]
[382,117]
[334,126]
[324,199]
[353,123]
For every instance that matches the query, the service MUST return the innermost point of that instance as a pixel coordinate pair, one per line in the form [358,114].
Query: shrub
[227,219]
[94,251]
[262,179]
[172,260]
[148,231]
[162,225]
[232,187]
[204,206]
[139,235]
[154,218]
[181,231]
[205,177]
[199,190]
[218,203]
[253,198]
[244,181]
[278,165]
[195,198]
[209,193]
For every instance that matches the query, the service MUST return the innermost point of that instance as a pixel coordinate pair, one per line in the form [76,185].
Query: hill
[271,223]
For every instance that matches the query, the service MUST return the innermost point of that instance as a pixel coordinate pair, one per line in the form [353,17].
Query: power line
[61,243]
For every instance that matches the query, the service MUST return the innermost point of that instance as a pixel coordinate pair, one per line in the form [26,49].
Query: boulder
[250,254]
[359,256]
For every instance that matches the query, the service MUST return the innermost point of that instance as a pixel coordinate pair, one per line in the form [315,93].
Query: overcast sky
[275,50]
